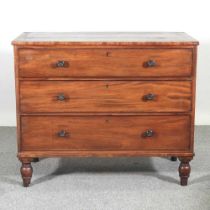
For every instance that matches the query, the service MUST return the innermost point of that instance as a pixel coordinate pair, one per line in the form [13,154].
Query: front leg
[26,171]
[184,170]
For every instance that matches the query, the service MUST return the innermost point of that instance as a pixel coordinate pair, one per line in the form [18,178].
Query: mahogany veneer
[105,62]
[105,94]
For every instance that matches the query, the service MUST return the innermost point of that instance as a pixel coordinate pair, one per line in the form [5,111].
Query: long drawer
[105,133]
[100,96]
[105,62]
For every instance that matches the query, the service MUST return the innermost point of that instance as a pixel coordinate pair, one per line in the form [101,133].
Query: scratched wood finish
[110,96]
[105,133]
[105,62]
[98,39]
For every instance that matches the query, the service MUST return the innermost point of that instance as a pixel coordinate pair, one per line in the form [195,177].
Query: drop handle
[149,97]
[61,97]
[150,63]
[61,64]
[148,133]
[62,133]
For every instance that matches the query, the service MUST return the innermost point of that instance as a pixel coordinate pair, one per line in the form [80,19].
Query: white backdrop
[190,16]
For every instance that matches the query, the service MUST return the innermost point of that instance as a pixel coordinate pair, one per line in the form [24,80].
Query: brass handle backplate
[150,63]
[148,133]
[61,97]
[149,97]
[62,133]
[61,64]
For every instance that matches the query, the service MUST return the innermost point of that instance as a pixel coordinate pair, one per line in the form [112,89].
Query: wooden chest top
[106,38]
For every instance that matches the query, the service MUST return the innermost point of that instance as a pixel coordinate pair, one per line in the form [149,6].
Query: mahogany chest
[105,94]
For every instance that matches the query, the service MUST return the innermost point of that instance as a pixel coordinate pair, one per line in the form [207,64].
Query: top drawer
[101,63]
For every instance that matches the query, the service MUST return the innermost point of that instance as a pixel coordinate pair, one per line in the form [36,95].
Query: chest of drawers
[105,94]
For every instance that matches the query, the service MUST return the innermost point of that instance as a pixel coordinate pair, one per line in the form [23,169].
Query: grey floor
[105,184]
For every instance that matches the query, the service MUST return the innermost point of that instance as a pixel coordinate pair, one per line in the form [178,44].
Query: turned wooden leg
[26,171]
[35,160]
[173,158]
[184,170]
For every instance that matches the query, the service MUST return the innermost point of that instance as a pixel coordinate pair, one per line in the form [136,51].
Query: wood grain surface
[105,62]
[105,133]
[99,96]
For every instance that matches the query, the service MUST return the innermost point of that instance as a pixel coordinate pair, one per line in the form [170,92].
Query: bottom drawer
[105,133]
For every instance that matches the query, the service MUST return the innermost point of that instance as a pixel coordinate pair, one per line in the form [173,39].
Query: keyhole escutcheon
[108,54]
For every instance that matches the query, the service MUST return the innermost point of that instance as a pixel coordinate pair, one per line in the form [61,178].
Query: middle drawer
[105,96]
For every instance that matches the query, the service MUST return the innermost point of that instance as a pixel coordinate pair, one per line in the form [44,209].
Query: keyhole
[107,85]
[107,120]
[108,54]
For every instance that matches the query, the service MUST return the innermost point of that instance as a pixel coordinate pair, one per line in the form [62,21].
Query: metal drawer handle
[150,63]
[149,97]
[63,133]
[148,133]
[61,97]
[61,64]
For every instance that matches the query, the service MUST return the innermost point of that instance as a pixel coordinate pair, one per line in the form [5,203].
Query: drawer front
[105,133]
[105,62]
[100,96]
